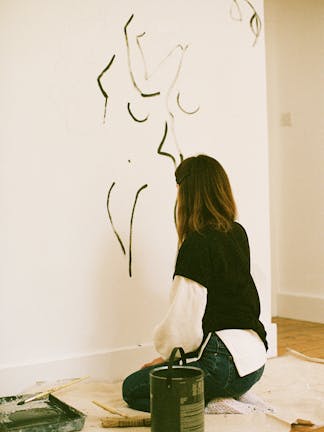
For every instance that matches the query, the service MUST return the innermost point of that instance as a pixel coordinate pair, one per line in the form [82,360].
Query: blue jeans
[221,378]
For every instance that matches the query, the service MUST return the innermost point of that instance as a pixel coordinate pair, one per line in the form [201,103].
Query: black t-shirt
[221,262]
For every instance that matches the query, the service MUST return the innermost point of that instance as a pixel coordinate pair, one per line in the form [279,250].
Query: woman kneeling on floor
[214,304]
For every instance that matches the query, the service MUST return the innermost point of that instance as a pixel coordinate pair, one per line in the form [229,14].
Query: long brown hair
[205,196]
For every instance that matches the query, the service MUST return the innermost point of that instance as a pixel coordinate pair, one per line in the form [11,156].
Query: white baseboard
[111,365]
[301,307]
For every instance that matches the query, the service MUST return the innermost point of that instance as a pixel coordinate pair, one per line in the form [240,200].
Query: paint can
[177,397]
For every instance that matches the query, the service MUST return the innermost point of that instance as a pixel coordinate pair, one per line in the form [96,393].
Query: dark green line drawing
[131,230]
[111,221]
[130,63]
[105,95]
[135,118]
[159,150]
[255,20]
[182,109]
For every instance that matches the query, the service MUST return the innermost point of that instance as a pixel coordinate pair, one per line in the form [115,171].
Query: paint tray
[48,414]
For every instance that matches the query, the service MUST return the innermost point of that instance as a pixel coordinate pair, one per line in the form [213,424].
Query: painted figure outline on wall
[169,122]
[130,225]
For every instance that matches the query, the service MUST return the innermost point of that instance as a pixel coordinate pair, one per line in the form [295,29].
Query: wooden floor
[303,336]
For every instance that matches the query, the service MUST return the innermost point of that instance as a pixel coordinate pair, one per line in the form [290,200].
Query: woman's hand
[154,362]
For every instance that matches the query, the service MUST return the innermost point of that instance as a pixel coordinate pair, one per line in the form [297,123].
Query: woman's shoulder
[238,227]
[239,230]
[203,241]
[210,234]
[195,238]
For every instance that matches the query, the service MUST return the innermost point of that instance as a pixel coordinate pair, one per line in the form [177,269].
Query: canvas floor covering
[292,387]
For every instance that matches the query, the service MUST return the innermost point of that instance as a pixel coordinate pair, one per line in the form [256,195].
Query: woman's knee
[136,391]
[136,385]
[127,388]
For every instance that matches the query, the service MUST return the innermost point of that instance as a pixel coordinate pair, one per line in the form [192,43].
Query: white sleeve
[182,325]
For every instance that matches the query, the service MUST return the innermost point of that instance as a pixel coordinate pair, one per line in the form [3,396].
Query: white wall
[68,306]
[295,65]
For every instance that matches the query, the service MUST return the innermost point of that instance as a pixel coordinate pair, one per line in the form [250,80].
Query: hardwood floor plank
[303,336]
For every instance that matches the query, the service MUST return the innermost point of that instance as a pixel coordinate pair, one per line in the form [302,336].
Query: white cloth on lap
[182,326]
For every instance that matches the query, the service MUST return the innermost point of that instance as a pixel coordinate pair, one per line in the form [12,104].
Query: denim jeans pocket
[237,385]
[220,370]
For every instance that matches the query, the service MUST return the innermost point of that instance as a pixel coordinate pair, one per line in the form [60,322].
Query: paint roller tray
[44,415]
